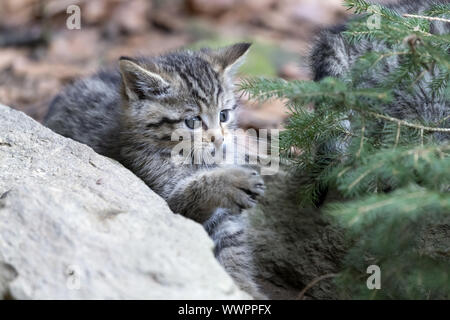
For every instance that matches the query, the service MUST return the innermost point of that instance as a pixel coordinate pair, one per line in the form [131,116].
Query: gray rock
[76,225]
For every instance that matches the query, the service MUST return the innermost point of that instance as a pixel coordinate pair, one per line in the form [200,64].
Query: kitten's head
[184,92]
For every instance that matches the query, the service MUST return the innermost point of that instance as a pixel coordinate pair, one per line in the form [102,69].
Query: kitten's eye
[224,115]
[193,123]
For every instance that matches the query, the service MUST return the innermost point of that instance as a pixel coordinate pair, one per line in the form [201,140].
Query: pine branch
[426,18]
[404,122]
[438,10]
[410,202]
[391,173]
[426,165]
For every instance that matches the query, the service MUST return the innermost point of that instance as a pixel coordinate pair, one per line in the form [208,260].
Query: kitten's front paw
[246,185]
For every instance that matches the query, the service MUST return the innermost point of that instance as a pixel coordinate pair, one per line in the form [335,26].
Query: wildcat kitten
[282,246]
[131,114]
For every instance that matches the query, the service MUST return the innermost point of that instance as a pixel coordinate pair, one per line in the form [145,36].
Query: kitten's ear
[141,81]
[229,59]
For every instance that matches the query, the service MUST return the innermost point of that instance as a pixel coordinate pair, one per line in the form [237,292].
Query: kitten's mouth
[201,153]
[208,153]
[208,150]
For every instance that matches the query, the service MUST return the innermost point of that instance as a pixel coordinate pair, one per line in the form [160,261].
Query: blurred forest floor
[39,55]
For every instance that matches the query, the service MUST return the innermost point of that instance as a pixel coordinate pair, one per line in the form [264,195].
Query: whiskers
[197,155]
[239,148]
[252,149]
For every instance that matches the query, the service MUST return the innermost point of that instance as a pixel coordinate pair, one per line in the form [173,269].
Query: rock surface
[76,225]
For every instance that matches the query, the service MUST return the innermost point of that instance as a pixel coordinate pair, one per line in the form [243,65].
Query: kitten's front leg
[198,195]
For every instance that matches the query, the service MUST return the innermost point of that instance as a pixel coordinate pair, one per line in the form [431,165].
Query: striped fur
[230,235]
[130,114]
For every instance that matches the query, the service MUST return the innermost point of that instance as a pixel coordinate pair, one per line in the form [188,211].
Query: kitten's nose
[218,141]
[215,137]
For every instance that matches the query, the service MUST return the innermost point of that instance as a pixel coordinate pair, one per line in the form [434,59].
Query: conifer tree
[393,175]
